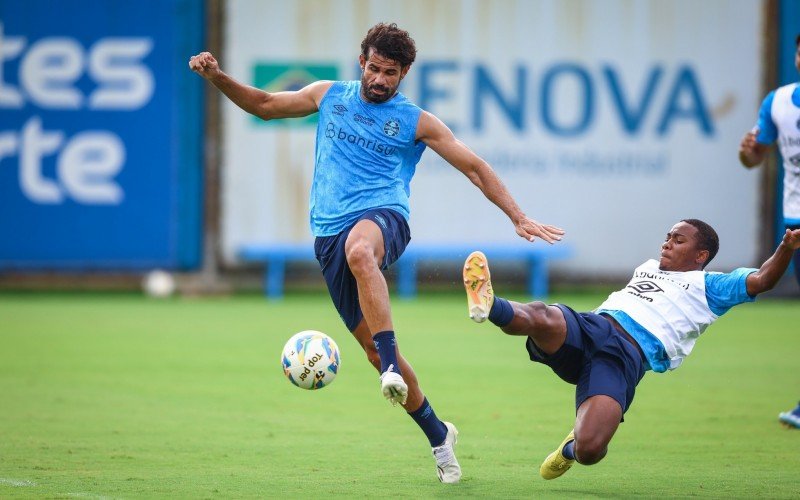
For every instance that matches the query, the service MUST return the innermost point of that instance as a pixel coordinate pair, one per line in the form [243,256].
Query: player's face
[680,251]
[380,77]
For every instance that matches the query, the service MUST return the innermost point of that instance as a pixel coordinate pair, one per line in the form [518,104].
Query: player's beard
[377,98]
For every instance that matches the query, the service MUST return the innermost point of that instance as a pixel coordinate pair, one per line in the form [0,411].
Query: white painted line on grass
[16,482]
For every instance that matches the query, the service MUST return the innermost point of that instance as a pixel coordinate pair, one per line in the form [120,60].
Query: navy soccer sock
[569,450]
[386,345]
[430,424]
[501,312]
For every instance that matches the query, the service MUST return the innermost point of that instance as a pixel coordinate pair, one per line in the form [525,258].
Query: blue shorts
[333,261]
[595,357]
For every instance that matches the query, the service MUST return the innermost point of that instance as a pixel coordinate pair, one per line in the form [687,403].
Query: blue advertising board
[100,135]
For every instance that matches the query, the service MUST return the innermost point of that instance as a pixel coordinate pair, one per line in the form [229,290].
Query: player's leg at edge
[597,420]
[441,435]
[399,384]
[559,462]
[365,250]
[790,419]
[478,284]
[598,416]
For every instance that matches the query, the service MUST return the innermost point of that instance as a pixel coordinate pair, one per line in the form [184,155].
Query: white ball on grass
[159,284]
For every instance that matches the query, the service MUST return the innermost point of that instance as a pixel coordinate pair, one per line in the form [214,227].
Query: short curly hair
[391,42]
[707,238]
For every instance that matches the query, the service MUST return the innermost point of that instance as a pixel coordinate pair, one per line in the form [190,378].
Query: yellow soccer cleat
[556,464]
[478,284]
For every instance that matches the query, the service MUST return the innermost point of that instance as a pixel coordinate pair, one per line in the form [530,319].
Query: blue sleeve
[725,290]
[767,131]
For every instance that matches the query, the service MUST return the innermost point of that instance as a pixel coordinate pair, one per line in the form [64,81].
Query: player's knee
[535,313]
[360,257]
[589,451]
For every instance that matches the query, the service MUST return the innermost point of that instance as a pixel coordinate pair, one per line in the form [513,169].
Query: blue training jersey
[365,157]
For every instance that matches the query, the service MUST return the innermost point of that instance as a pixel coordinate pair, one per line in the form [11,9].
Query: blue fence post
[275,274]
[406,277]
[538,278]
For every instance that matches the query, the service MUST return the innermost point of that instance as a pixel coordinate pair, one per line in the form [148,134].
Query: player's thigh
[597,420]
[544,324]
[385,248]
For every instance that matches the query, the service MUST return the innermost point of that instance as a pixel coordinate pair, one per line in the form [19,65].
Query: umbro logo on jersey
[339,110]
[645,287]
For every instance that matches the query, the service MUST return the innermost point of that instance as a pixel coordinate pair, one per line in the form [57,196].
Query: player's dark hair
[390,42]
[797,40]
[707,238]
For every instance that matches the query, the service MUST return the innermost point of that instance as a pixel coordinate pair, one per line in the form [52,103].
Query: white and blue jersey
[666,311]
[365,157]
[779,119]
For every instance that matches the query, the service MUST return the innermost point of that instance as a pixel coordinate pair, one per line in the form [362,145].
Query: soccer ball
[158,284]
[310,359]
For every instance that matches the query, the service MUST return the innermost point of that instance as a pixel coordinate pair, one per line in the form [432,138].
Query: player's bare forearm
[773,268]
[493,188]
[264,105]
[248,98]
[438,137]
[495,191]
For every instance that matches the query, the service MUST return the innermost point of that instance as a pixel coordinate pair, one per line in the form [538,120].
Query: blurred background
[612,119]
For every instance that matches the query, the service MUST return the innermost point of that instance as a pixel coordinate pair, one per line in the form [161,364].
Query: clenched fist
[204,65]
[751,152]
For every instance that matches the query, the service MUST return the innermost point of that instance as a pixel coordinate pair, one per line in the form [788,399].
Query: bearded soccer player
[650,325]
[369,140]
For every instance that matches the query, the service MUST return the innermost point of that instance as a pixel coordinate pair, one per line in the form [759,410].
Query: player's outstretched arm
[265,105]
[774,267]
[440,138]
[751,152]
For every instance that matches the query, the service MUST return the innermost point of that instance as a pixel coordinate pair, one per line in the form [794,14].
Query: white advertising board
[610,119]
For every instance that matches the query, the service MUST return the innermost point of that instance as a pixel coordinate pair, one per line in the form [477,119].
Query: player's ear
[362,61]
[702,257]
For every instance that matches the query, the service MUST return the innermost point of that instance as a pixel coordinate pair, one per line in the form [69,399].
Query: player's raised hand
[204,65]
[751,152]
[792,238]
[530,230]
[748,143]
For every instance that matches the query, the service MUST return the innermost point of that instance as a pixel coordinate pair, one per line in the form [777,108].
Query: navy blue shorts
[333,261]
[595,357]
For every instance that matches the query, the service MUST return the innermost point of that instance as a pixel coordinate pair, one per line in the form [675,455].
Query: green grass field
[121,396]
